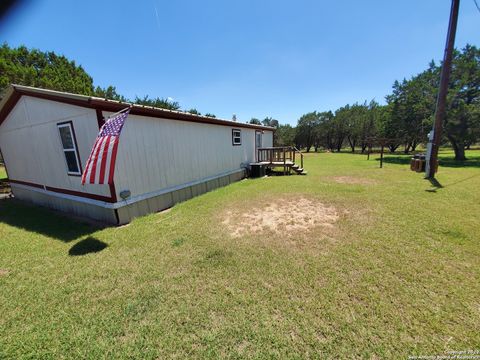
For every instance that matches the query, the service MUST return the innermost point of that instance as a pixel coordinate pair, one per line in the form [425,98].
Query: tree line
[405,119]
[47,70]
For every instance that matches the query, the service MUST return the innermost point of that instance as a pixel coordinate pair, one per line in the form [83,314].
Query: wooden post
[284,163]
[443,90]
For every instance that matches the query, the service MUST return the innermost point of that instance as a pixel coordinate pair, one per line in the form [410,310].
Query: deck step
[299,170]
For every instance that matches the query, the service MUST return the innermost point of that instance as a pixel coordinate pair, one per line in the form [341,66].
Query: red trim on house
[171,115]
[54,97]
[26,183]
[100,118]
[108,199]
[113,192]
[9,105]
[113,106]
[80,194]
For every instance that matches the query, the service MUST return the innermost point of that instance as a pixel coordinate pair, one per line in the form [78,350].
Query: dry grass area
[282,216]
[352,180]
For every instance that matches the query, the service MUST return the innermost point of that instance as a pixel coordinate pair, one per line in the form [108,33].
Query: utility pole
[443,90]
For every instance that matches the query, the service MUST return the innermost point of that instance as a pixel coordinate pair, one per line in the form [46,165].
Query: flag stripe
[89,162]
[97,144]
[112,161]
[95,158]
[99,160]
[96,170]
[100,166]
[104,160]
[85,172]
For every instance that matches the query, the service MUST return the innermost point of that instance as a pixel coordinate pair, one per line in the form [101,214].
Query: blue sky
[252,58]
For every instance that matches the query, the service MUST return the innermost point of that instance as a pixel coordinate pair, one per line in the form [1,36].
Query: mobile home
[163,156]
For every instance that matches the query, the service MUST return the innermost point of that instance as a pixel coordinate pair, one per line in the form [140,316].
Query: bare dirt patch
[281,216]
[353,180]
[3,272]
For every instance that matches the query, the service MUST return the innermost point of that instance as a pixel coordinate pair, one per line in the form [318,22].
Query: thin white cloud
[156,16]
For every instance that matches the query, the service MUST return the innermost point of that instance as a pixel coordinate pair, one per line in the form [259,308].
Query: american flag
[101,162]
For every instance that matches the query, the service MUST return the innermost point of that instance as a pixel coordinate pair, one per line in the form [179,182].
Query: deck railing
[281,154]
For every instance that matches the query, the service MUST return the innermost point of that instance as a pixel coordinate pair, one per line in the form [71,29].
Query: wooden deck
[276,163]
[281,157]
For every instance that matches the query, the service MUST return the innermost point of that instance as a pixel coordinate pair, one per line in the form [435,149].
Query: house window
[236,137]
[70,150]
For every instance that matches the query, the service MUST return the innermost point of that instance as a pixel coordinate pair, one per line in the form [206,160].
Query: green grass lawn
[398,274]
[4,185]
[3,173]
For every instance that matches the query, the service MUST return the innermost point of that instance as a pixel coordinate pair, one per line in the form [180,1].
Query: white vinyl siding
[156,153]
[32,147]
[153,153]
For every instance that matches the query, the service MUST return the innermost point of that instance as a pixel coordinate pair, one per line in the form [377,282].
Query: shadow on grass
[436,184]
[43,221]
[473,161]
[87,246]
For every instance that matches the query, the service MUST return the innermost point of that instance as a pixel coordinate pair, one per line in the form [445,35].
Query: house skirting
[123,211]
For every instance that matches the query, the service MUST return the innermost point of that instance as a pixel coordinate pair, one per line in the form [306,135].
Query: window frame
[236,137]
[69,125]
[258,146]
